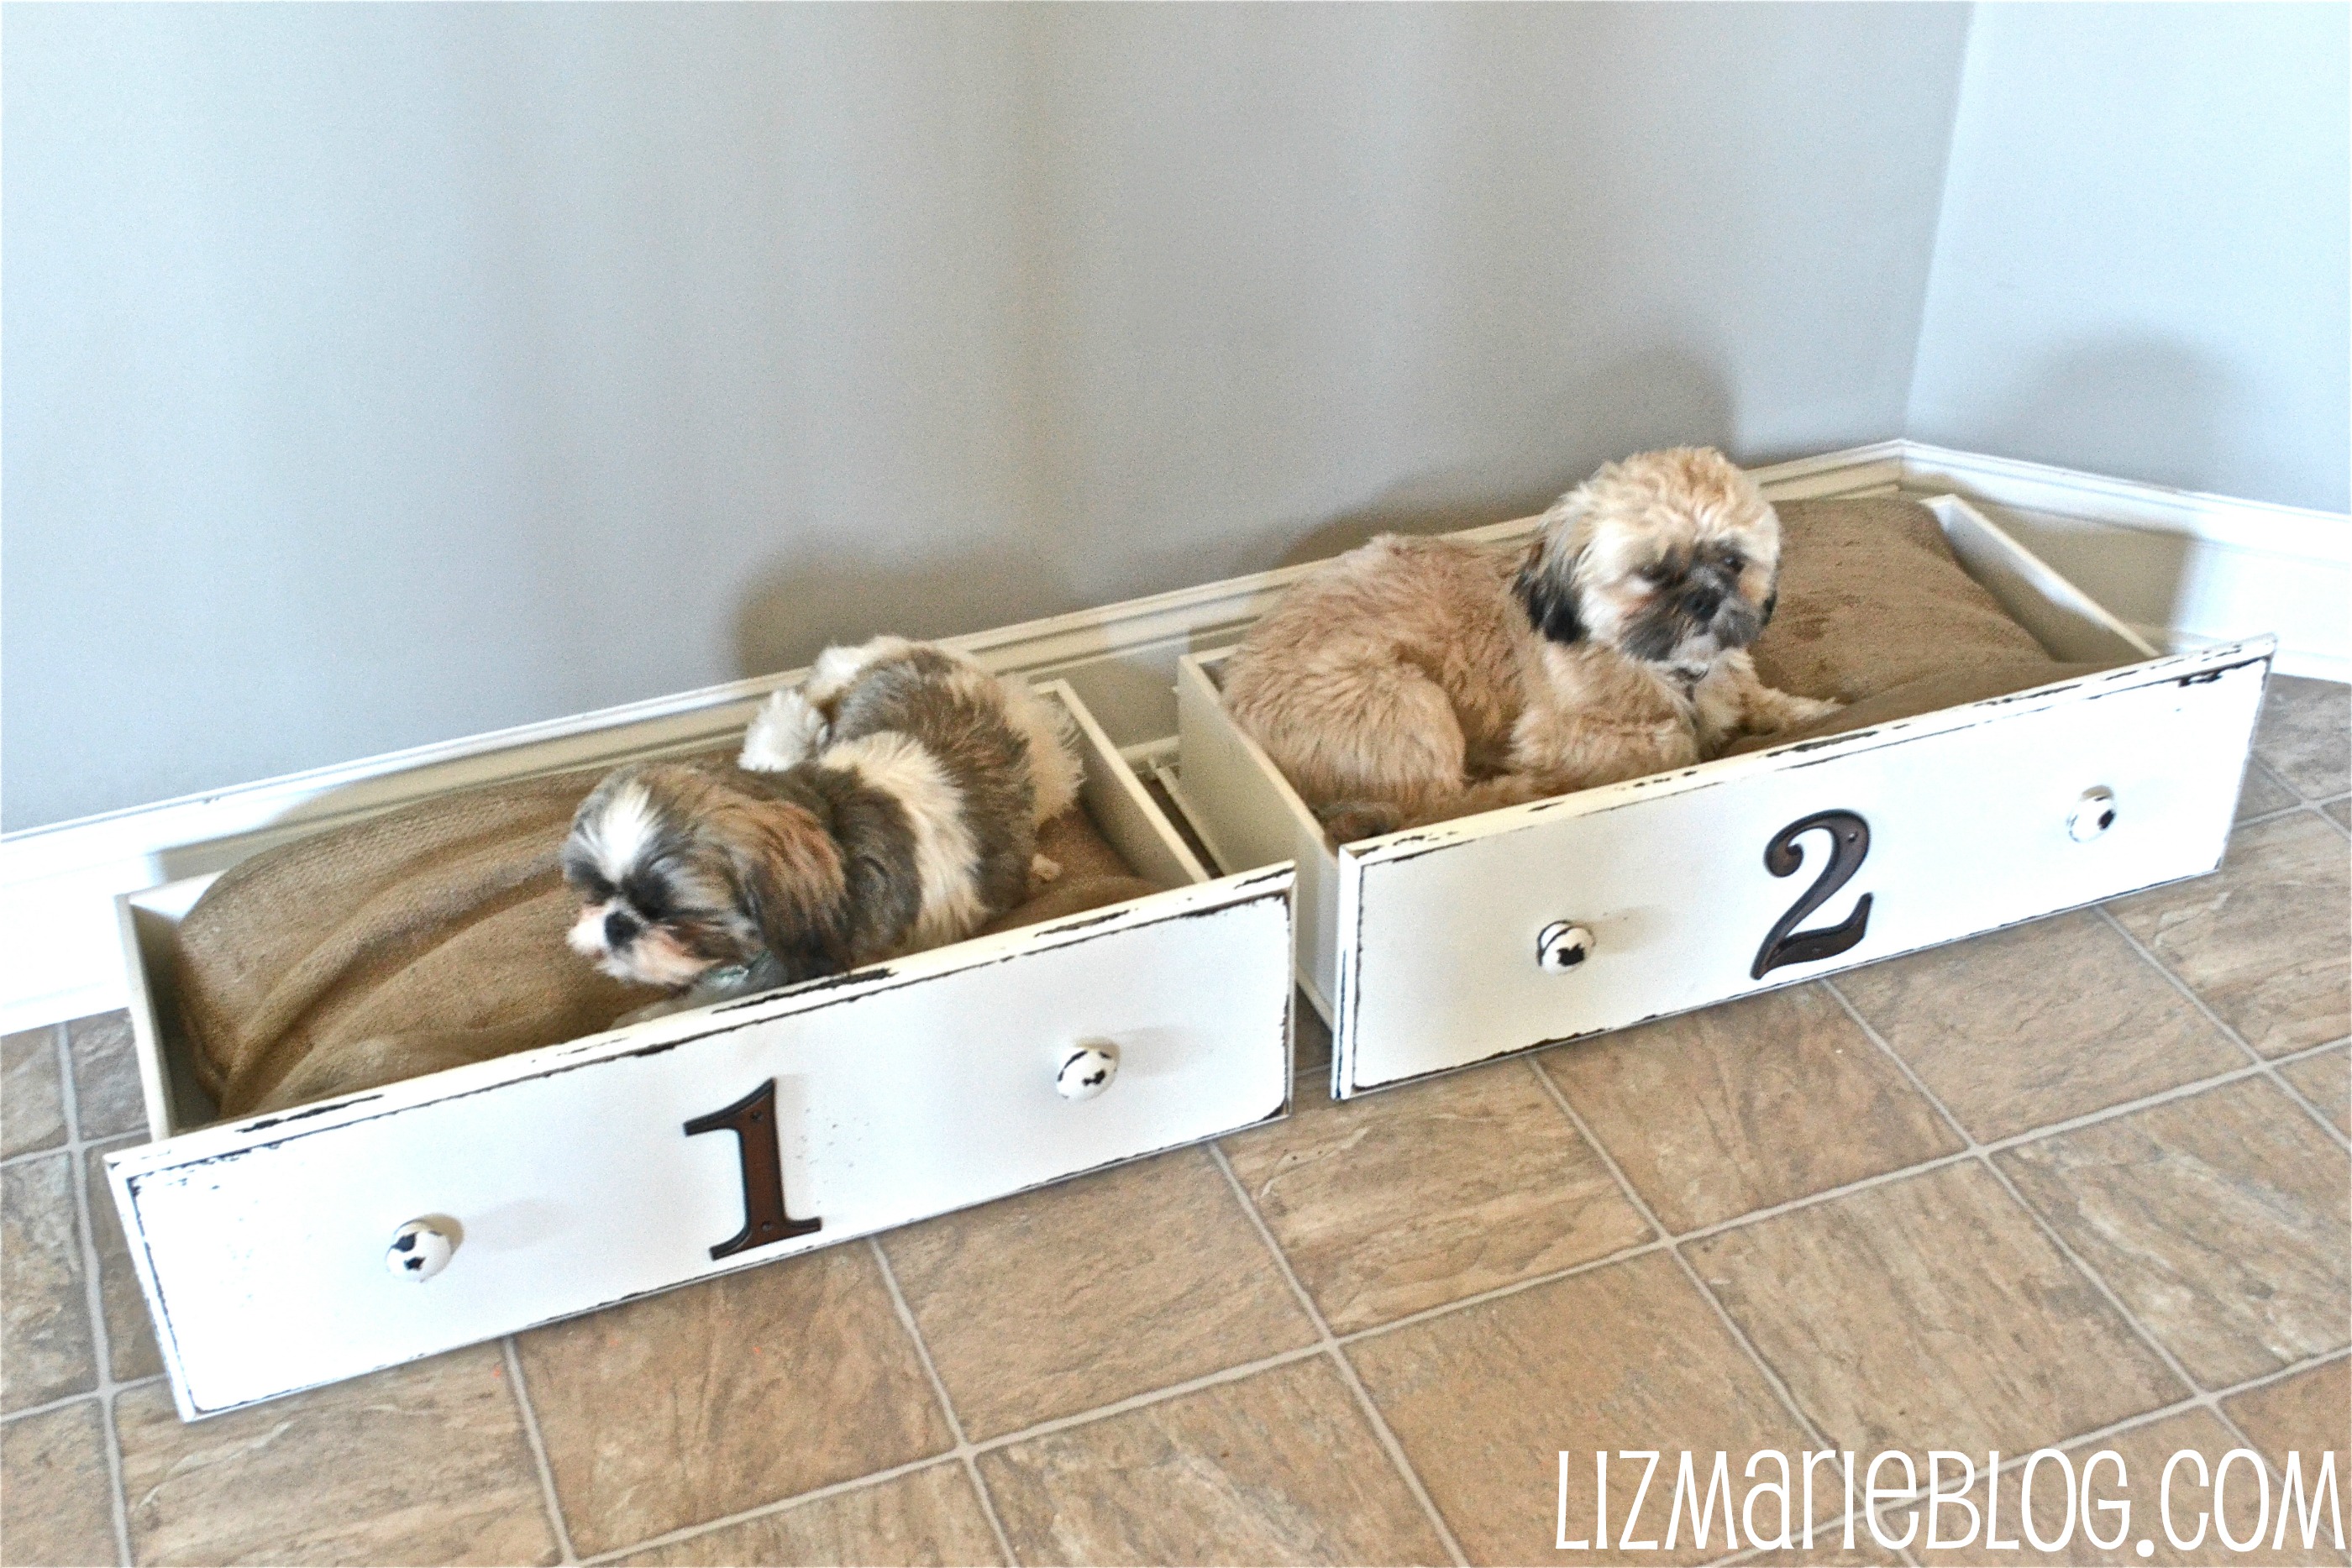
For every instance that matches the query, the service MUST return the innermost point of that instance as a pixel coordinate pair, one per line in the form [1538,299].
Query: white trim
[2183,569]
[57,917]
[2263,528]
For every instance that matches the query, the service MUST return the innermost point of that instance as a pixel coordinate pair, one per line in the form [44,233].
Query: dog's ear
[1771,602]
[788,873]
[1545,593]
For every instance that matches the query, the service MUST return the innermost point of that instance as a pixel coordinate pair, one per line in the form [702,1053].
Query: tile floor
[2082,1184]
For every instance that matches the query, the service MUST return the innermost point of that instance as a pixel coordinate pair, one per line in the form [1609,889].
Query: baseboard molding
[57,918]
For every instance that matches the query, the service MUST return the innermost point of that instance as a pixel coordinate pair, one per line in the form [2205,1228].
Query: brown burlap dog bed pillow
[433,936]
[1875,612]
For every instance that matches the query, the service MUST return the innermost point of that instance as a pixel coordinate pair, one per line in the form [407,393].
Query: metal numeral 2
[752,1120]
[1849,845]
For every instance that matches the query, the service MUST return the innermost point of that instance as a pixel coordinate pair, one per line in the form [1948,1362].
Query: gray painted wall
[2143,260]
[380,375]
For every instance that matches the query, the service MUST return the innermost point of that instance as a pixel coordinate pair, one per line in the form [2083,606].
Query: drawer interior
[1113,800]
[1248,814]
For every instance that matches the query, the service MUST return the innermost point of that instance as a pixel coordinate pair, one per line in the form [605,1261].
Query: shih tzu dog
[1416,679]
[889,805]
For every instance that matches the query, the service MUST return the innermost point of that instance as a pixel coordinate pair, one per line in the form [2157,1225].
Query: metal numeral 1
[752,1120]
[1849,846]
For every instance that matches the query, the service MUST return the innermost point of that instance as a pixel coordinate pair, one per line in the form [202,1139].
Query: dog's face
[1670,557]
[680,871]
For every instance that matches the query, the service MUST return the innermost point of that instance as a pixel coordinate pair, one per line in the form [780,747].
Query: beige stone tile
[2144,1452]
[1931,1312]
[2305,734]
[32,1103]
[55,1502]
[1058,1301]
[2341,810]
[1396,1202]
[108,1101]
[2222,1220]
[426,1464]
[1279,1466]
[2262,939]
[129,1332]
[2308,1414]
[1627,1356]
[44,1308]
[2035,1025]
[1828,1550]
[2326,1080]
[741,1390]
[932,1516]
[2299,1421]
[1747,1105]
[2261,793]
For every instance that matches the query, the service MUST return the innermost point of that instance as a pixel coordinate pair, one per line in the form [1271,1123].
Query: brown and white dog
[1415,679]
[890,805]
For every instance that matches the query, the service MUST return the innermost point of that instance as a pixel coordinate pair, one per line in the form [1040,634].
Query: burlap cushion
[1875,612]
[433,936]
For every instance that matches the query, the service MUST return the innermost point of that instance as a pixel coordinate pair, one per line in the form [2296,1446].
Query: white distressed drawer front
[913,1091]
[1967,814]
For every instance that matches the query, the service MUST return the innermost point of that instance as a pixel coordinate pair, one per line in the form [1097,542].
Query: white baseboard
[57,917]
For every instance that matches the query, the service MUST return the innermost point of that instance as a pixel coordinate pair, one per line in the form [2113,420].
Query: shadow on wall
[795,609]
[1663,396]
[2110,395]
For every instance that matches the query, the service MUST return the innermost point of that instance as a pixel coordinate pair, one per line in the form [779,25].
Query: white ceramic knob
[2094,814]
[1562,947]
[420,1250]
[1086,1070]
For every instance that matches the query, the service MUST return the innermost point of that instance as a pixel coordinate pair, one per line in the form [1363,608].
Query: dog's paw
[1044,868]
[784,733]
[1804,710]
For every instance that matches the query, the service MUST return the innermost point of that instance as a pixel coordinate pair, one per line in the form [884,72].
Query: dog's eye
[1655,575]
[645,898]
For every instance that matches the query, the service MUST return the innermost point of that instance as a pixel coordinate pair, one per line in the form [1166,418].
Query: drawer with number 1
[286,1250]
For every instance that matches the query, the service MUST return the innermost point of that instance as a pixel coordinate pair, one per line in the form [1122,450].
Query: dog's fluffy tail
[785,733]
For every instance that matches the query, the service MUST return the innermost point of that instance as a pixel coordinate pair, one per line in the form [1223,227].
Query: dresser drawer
[1781,867]
[558,1180]
[1439,946]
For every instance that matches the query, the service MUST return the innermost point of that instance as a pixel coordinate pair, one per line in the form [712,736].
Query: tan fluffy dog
[1412,680]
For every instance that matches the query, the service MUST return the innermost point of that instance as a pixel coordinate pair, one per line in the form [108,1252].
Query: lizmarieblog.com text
[1644,1499]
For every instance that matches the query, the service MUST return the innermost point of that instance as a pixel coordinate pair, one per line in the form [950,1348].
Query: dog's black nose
[1701,603]
[619,926]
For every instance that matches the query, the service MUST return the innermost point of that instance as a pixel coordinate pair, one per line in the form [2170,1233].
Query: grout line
[2082,1264]
[1674,1249]
[93,1292]
[963,1449]
[29,1411]
[2262,1062]
[538,1450]
[1622,1255]
[1330,1346]
[781,1505]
